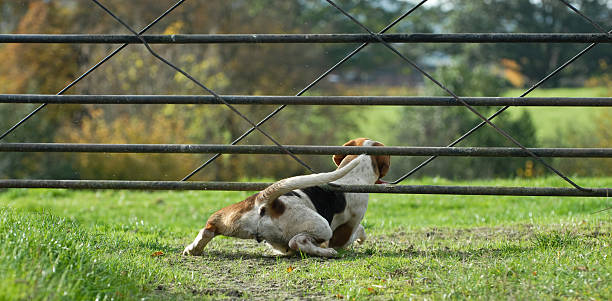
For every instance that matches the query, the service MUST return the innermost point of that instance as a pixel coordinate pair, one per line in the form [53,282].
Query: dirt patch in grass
[241,270]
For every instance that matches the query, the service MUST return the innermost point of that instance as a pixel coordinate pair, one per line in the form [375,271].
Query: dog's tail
[281,187]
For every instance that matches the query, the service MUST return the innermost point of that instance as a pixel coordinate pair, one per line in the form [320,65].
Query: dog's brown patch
[224,220]
[380,163]
[240,208]
[276,208]
[341,235]
[355,142]
[211,227]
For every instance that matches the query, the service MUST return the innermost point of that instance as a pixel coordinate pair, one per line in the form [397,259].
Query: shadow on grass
[169,292]
[358,254]
[235,255]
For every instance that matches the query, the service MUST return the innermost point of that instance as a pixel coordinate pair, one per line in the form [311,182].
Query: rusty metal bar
[311,38]
[306,150]
[240,186]
[308,100]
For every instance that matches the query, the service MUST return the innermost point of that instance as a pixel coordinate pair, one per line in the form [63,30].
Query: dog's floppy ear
[338,158]
[382,162]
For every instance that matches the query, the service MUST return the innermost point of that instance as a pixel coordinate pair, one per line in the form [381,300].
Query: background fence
[231,102]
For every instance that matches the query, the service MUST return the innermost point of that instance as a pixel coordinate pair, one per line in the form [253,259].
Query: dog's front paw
[190,251]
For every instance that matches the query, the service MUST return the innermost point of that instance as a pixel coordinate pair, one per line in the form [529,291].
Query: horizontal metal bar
[306,150]
[243,186]
[309,100]
[313,38]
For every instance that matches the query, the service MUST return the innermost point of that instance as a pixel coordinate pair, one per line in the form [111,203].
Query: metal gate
[368,37]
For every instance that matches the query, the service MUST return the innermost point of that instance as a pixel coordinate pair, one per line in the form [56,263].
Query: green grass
[61,244]
[551,121]
[380,122]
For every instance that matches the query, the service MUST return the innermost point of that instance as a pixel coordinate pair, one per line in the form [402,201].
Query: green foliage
[598,133]
[465,79]
[438,126]
[572,127]
[534,60]
[235,69]
[36,68]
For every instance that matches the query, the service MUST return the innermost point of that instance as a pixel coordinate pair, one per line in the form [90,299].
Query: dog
[294,214]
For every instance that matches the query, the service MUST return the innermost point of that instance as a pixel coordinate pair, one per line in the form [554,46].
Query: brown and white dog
[294,214]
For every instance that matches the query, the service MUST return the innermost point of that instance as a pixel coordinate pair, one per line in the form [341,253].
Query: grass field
[551,122]
[103,245]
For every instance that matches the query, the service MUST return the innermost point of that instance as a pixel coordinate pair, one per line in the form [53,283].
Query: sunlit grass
[552,122]
[67,244]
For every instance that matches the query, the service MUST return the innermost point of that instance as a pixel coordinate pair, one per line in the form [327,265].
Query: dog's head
[381,163]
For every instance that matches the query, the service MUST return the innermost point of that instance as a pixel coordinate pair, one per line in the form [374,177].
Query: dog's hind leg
[307,244]
[197,246]
[344,235]
[358,236]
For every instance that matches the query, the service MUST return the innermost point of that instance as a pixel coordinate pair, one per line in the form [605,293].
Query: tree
[36,68]
[243,69]
[438,126]
[538,59]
